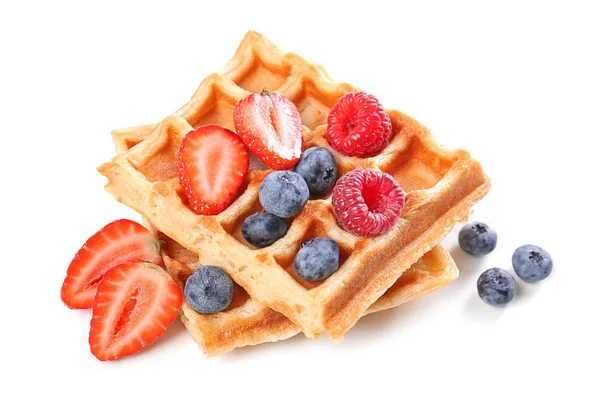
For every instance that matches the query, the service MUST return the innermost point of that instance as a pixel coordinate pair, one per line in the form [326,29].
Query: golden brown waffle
[442,186]
[247,322]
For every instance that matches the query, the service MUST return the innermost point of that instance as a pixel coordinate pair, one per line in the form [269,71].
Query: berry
[317,259]
[477,239]
[367,202]
[134,305]
[208,289]
[271,127]
[358,125]
[283,193]
[496,287]
[532,263]
[317,167]
[212,163]
[263,229]
[119,242]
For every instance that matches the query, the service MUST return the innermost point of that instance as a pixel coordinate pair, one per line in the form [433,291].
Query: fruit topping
[119,242]
[496,287]
[134,305]
[263,229]
[477,239]
[358,125]
[212,163]
[208,289]
[367,202]
[271,127]
[317,259]
[317,167]
[532,263]
[283,193]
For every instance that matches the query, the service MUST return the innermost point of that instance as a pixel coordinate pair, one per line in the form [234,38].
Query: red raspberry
[358,125]
[367,202]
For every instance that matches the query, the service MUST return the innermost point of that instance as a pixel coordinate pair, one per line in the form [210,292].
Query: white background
[517,84]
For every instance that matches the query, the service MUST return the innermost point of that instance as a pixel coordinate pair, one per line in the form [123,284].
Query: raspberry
[367,202]
[358,125]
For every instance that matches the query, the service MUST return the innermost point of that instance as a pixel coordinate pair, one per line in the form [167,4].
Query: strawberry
[119,242]
[134,305]
[271,127]
[212,163]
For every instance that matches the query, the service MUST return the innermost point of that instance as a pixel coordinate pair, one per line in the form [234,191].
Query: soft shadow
[247,352]
[174,333]
[525,291]
[469,269]
[479,311]
[374,326]
[82,313]
[368,328]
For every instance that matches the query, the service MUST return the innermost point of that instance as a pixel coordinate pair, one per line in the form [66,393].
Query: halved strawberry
[212,163]
[134,305]
[121,241]
[271,127]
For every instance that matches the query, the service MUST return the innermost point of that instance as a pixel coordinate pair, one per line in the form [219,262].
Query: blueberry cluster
[283,194]
[497,286]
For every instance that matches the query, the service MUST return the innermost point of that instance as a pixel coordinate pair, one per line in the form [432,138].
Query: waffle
[247,322]
[442,186]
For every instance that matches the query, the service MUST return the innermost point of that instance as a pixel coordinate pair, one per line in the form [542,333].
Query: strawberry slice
[121,241]
[134,305]
[212,163]
[271,127]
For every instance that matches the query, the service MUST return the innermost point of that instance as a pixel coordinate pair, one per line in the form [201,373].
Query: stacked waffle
[271,302]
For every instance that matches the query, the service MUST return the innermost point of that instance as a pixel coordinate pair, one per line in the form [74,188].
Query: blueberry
[317,259]
[208,289]
[532,263]
[317,167]
[496,286]
[477,239]
[283,193]
[263,229]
